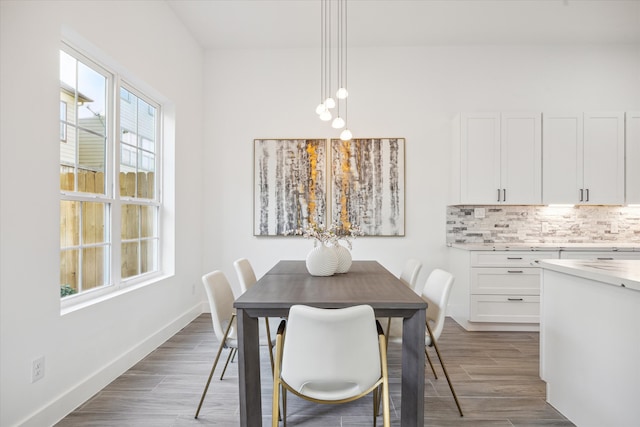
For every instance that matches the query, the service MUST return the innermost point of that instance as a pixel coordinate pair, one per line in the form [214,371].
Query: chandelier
[334,48]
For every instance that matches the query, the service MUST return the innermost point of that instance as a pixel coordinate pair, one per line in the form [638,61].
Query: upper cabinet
[497,158]
[583,158]
[633,157]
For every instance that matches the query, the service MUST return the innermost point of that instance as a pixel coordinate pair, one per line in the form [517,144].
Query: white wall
[86,349]
[411,92]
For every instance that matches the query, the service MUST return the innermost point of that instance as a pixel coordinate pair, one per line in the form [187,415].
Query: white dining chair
[331,356]
[223,318]
[436,292]
[247,278]
[408,276]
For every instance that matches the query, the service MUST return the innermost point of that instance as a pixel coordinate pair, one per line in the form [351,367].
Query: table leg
[413,330]
[249,370]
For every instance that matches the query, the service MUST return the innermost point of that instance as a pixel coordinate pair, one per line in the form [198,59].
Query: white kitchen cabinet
[497,290]
[632,147]
[583,158]
[497,158]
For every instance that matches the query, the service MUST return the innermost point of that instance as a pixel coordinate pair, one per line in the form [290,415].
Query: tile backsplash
[543,224]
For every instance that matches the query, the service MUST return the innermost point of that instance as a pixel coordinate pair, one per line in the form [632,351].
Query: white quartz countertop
[610,246]
[624,273]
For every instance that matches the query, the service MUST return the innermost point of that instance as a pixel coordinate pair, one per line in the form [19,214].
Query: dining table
[367,282]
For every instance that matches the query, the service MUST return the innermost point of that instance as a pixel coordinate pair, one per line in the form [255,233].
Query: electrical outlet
[193,289]
[614,227]
[37,369]
[545,227]
[478,213]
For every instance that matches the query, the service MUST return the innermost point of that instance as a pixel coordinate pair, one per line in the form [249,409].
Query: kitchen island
[590,340]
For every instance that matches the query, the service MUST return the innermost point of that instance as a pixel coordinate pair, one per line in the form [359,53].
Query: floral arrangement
[330,235]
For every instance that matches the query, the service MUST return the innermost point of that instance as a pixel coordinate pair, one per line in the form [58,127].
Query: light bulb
[330,102]
[338,123]
[320,108]
[346,135]
[342,93]
[325,116]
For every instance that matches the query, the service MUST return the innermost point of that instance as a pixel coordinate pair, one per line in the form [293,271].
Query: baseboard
[71,399]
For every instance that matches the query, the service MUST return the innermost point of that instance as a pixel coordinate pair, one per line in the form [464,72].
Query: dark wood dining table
[367,282]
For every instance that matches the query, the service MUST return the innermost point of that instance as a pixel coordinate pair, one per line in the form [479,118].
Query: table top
[366,282]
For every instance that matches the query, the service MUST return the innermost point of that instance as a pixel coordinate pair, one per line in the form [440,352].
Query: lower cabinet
[497,290]
[500,290]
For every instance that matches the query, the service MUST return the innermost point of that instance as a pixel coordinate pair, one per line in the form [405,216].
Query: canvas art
[290,185]
[367,185]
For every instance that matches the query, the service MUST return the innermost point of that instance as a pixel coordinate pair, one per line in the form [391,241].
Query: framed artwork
[367,185]
[290,184]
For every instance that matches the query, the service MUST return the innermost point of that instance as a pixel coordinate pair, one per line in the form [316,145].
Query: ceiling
[259,24]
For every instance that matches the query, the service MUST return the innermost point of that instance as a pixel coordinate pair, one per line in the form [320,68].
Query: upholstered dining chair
[331,356]
[436,292]
[247,279]
[408,276]
[223,318]
[409,273]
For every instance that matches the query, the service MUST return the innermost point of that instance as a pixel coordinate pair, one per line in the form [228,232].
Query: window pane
[93,268]
[69,270]
[69,223]
[146,181]
[148,221]
[92,90]
[130,264]
[93,227]
[63,121]
[91,156]
[130,223]
[149,255]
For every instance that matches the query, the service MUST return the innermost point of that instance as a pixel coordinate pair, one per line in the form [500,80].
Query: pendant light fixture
[327,50]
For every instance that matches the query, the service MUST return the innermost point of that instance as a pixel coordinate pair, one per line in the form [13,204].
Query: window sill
[67,307]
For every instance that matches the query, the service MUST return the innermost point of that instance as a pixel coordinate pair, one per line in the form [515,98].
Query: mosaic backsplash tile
[543,224]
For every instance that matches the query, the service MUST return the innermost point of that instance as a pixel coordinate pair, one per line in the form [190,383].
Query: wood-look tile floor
[495,375]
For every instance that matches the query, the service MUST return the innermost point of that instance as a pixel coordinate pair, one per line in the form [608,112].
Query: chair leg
[376,405]
[430,364]
[435,345]
[266,322]
[232,354]
[215,362]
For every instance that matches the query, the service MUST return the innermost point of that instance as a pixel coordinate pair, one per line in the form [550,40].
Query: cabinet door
[480,158]
[561,158]
[633,158]
[603,158]
[521,158]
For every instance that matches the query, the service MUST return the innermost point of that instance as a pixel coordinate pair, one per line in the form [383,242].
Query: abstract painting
[367,185]
[290,185]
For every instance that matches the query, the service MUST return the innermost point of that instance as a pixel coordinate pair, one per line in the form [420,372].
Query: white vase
[322,261]
[344,258]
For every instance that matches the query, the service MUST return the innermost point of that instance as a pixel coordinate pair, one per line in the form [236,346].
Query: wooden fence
[136,221]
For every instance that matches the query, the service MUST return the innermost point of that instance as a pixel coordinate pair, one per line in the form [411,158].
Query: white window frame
[114,282]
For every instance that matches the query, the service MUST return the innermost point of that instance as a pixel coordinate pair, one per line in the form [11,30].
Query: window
[110,200]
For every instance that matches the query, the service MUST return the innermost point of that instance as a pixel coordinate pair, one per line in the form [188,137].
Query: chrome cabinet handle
[515,271]
[504,194]
[515,299]
[581,195]
[498,194]
[604,259]
[514,257]
[587,195]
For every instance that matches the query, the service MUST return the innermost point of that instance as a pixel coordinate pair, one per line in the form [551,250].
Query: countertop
[624,273]
[603,246]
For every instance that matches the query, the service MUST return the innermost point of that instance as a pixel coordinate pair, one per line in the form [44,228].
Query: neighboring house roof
[72,91]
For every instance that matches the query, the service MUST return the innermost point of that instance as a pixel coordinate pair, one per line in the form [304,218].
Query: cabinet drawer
[599,255]
[509,258]
[505,308]
[514,280]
